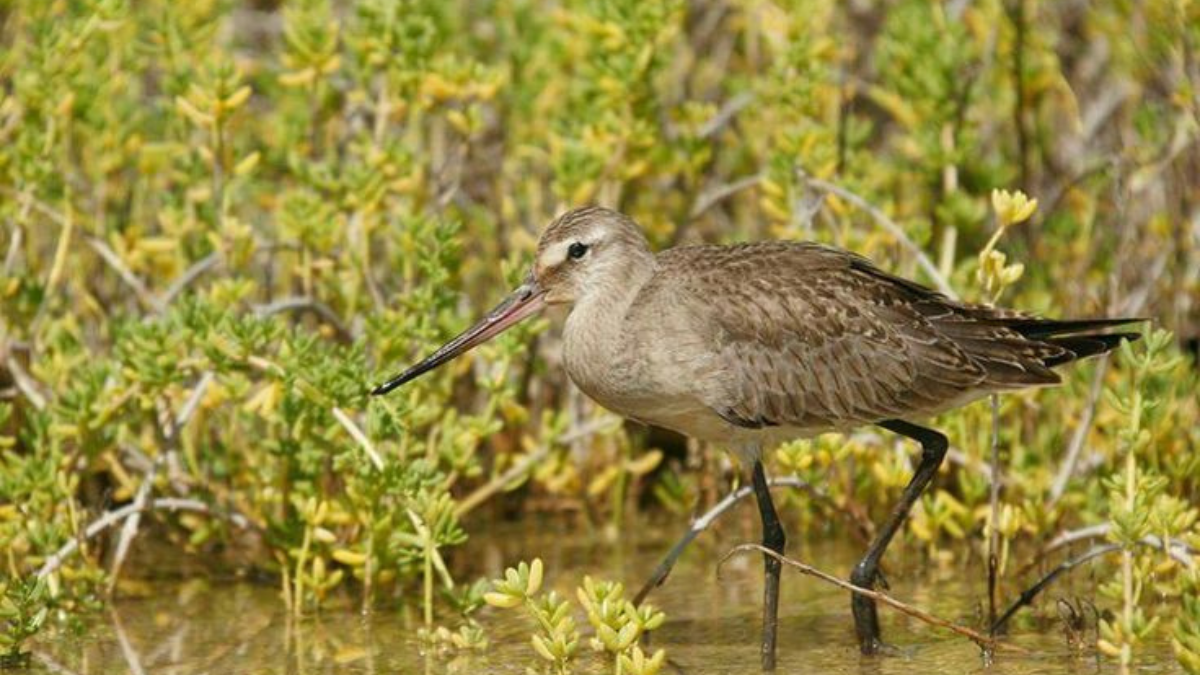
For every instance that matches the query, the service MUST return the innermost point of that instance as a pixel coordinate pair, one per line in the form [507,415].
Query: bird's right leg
[774,540]
[933,449]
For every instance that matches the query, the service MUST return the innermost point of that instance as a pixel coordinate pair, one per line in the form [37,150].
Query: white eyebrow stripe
[556,253]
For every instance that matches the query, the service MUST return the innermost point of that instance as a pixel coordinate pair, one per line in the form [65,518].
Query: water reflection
[208,627]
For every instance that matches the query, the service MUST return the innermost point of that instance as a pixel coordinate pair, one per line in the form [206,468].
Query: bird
[750,345]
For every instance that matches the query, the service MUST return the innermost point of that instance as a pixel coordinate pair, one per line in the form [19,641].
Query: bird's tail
[1079,338]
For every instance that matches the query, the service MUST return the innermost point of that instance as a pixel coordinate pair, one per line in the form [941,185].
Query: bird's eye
[577,250]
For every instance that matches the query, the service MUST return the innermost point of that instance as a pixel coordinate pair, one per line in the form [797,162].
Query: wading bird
[751,345]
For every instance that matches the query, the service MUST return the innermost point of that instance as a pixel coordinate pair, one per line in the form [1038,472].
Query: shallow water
[712,626]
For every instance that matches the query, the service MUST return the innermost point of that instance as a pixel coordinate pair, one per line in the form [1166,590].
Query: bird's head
[587,251]
[584,253]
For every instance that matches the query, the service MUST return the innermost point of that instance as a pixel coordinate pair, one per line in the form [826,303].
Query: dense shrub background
[223,221]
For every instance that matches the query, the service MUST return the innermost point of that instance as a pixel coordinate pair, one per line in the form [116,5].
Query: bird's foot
[881,581]
[877,647]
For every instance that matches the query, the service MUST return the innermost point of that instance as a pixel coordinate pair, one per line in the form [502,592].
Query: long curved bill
[526,300]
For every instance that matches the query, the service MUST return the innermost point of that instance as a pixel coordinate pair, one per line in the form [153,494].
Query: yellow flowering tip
[501,600]
[543,649]
[1108,649]
[248,163]
[1012,207]
[193,113]
[236,99]
[1009,275]
[324,536]
[349,558]
[991,263]
[535,577]
[66,104]
[439,88]
[298,78]
[459,120]
[331,65]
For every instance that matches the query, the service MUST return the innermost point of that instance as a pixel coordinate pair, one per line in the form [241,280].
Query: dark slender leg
[933,449]
[775,540]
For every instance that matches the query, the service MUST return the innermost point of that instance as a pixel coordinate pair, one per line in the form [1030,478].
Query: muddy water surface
[203,626]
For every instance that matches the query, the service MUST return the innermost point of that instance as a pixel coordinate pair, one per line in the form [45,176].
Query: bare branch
[1179,550]
[145,298]
[984,641]
[993,544]
[299,304]
[1176,549]
[1067,468]
[485,492]
[893,228]
[702,523]
[184,280]
[25,383]
[130,527]
[132,659]
[1030,593]
[116,516]
[52,665]
[715,195]
[358,435]
[725,115]
[193,400]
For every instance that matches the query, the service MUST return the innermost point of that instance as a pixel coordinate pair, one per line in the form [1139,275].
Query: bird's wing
[801,336]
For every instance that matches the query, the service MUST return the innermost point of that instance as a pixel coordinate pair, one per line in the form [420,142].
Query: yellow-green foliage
[223,221]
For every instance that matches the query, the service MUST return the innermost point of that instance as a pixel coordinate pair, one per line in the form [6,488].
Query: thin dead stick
[52,665]
[301,304]
[170,434]
[984,641]
[193,401]
[1067,469]
[725,115]
[159,303]
[358,435]
[25,383]
[715,195]
[659,576]
[184,280]
[485,492]
[1172,548]
[956,456]
[893,228]
[1071,536]
[1032,592]
[14,248]
[1178,550]
[993,559]
[147,300]
[133,660]
[116,516]
[129,528]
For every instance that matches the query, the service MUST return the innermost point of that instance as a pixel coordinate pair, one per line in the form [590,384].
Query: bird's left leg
[775,540]
[933,449]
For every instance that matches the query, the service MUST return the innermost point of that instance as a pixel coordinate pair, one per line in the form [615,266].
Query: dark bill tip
[525,301]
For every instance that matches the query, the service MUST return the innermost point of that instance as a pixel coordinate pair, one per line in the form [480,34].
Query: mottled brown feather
[753,344]
[811,336]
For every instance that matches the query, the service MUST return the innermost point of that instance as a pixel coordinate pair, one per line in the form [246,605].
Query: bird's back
[801,338]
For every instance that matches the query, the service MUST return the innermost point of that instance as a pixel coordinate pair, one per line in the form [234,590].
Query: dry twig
[893,228]
[357,434]
[116,516]
[985,642]
[702,523]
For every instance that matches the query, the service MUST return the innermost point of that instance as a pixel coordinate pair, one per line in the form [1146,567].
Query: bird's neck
[594,336]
